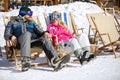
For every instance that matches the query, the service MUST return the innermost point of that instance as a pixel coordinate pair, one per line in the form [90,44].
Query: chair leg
[0,52]
[118,47]
[34,1]
[44,2]
[17,65]
[114,52]
[40,64]
[51,2]
[113,11]
[9,53]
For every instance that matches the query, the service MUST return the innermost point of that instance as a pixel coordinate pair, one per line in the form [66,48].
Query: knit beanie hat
[25,11]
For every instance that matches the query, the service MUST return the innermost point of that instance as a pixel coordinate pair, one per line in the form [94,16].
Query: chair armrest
[54,40]
[8,43]
[81,29]
[94,2]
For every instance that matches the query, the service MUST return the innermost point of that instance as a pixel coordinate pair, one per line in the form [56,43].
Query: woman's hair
[61,23]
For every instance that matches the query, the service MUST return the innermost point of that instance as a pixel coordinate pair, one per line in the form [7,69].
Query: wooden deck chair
[103,3]
[116,20]
[76,29]
[79,29]
[65,17]
[69,20]
[117,24]
[92,28]
[94,39]
[107,32]
[13,54]
[44,2]
[107,5]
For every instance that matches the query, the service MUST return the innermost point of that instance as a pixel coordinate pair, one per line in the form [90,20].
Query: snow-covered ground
[101,68]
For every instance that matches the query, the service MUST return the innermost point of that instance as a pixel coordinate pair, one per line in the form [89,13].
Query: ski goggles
[23,12]
[30,13]
[54,16]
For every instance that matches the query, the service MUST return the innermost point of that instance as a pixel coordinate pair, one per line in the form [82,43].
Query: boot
[58,63]
[78,53]
[84,58]
[91,57]
[25,63]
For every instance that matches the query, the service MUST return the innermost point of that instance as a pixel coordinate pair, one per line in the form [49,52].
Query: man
[24,33]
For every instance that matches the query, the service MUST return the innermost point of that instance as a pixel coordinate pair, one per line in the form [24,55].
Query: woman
[81,45]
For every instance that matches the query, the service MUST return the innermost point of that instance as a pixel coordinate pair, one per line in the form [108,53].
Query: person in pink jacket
[80,43]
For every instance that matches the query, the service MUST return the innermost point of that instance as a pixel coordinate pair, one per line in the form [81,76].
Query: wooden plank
[6,5]
[56,2]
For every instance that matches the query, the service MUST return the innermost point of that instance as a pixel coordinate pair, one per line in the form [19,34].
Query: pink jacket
[62,33]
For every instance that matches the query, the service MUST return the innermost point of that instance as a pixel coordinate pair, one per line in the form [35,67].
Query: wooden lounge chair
[107,33]
[65,17]
[13,54]
[106,5]
[117,24]
[92,28]
[68,19]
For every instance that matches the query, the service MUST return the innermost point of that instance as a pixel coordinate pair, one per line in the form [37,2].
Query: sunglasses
[54,16]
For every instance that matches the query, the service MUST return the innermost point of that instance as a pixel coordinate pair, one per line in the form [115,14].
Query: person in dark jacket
[24,33]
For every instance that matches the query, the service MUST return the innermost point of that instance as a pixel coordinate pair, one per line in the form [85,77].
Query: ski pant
[79,44]
[26,43]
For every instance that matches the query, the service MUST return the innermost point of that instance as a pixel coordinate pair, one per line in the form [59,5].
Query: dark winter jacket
[14,27]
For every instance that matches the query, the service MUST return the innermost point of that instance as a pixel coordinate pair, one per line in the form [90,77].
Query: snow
[102,68]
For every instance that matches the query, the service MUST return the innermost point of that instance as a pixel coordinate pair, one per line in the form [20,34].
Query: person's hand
[14,40]
[47,35]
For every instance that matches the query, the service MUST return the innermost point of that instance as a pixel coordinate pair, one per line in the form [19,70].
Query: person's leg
[50,52]
[76,48]
[71,45]
[24,41]
[46,45]
[0,52]
[85,44]
[83,40]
